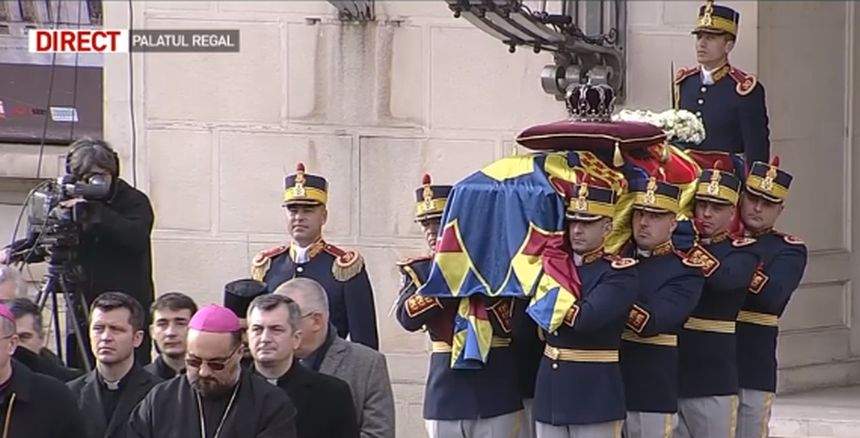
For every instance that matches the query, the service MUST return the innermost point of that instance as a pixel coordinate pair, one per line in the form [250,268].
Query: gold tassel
[617,159]
[348,266]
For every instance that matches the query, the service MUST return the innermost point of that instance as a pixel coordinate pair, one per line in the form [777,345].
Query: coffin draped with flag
[502,231]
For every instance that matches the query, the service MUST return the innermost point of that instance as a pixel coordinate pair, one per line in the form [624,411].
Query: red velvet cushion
[573,135]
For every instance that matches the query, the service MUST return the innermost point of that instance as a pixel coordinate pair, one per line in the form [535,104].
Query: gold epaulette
[746,82]
[347,263]
[411,260]
[684,73]
[263,259]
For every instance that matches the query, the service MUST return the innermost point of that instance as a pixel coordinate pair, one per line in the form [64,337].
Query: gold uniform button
[555,366]
[555,333]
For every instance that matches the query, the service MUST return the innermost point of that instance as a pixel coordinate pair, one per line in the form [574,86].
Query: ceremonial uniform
[340,272]
[579,391]
[706,345]
[669,288]
[783,260]
[459,402]
[730,102]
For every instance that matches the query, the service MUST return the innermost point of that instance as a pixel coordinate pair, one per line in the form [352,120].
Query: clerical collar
[659,250]
[301,254]
[756,234]
[710,77]
[716,238]
[114,385]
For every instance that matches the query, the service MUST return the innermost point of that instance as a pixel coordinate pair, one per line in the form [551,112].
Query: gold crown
[300,180]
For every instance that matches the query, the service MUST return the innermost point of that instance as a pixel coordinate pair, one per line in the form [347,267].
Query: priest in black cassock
[324,403]
[216,398]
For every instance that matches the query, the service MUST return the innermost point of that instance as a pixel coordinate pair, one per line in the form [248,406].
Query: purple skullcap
[215,319]
[6,313]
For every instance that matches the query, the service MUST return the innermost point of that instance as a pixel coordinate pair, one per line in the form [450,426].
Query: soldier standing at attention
[783,259]
[730,103]
[458,403]
[579,392]
[340,272]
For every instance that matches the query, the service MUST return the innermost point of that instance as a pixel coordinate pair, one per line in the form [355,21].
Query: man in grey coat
[363,368]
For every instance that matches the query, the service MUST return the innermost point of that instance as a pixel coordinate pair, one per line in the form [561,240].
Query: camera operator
[114,251]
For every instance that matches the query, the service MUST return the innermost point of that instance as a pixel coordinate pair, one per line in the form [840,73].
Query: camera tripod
[63,274]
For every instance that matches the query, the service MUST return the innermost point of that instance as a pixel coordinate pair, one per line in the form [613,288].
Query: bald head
[313,304]
[307,293]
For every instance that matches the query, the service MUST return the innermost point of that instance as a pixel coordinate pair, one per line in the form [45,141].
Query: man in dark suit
[31,349]
[362,367]
[107,395]
[323,403]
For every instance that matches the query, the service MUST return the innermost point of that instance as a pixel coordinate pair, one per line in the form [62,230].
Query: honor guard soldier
[341,272]
[783,259]
[579,392]
[457,402]
[670,284]
[730,103]
[707,345]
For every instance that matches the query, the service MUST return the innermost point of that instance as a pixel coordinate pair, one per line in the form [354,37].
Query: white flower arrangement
[679,125]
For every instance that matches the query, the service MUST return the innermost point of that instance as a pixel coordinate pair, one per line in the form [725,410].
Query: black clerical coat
[160,369]
[88,395]
[170,411]
[42,407]
[324,403]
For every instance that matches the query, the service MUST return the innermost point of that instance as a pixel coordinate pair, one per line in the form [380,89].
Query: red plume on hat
[426,179]
[775,161]
[300,167]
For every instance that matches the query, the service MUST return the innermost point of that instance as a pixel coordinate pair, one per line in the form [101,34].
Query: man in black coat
[114,251]
[324,403]
[32,405]
[31,349]
[107,395]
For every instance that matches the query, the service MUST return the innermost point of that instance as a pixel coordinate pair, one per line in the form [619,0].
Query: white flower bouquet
[680,126]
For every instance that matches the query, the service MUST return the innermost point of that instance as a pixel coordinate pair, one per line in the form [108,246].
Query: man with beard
[323,403]
[783,260]
[708,385]
[670,284]
[215,398]
[171,313]
[108,393]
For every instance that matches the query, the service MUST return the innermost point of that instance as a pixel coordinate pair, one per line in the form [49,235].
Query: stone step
[828,412]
